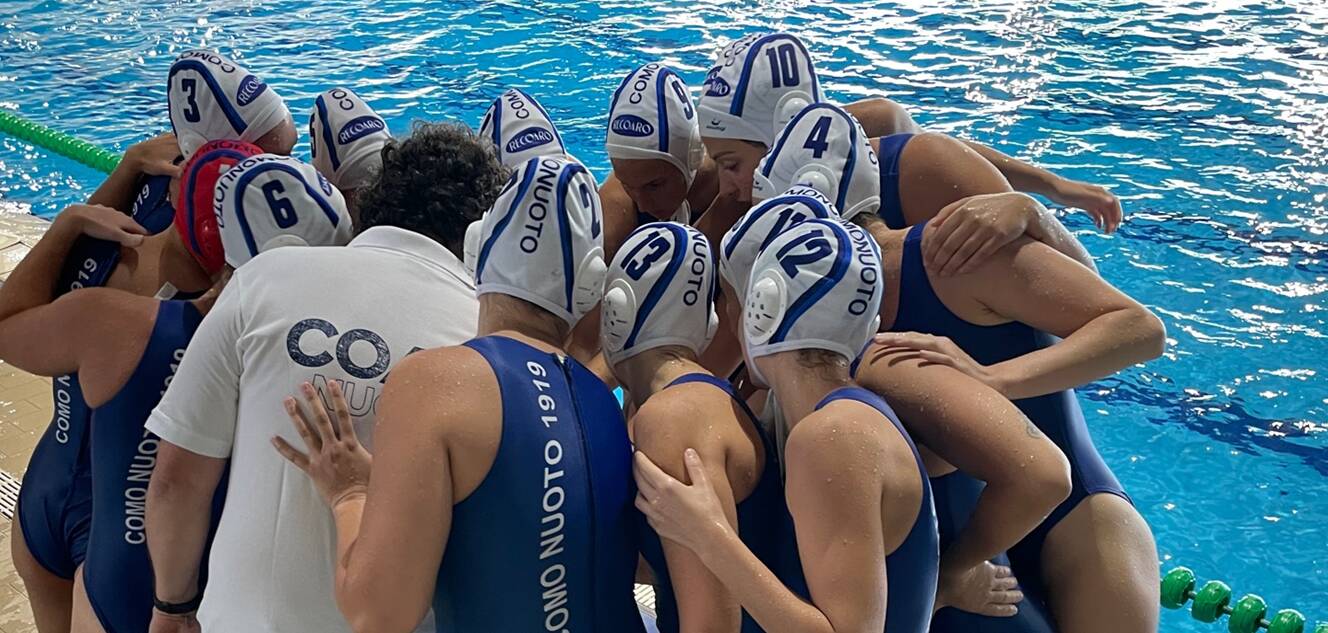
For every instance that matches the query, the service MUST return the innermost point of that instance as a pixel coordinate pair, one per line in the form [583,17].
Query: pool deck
[25,409]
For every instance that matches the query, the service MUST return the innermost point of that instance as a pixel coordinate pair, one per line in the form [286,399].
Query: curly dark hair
[434,182]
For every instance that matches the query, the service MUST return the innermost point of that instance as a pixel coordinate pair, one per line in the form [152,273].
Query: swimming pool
[1209,119]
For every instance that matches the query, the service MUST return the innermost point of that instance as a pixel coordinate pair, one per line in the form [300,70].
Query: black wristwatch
[177,608]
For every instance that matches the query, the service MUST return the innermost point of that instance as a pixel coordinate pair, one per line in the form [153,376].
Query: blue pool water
[1210,120]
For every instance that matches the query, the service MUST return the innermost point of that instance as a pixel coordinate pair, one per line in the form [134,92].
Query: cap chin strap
[684,213]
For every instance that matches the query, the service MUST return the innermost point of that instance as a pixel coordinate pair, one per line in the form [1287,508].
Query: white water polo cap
[269,201]
[761,225]
[542,241]
[652,118]
[211,98]
[823,147]
[346,138]
[520,129]
[660,291]
[816,286]
[758,83]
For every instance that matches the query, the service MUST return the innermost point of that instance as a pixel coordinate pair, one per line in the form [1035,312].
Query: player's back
[546,542]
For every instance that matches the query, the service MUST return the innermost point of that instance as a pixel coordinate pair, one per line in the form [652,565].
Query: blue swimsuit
[117,573]
[55,499]
[152,208]
[892,209]
[758,515]
[913,567]
[547,542]
[1057,415]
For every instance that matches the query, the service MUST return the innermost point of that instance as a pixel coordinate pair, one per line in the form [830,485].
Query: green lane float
[1213,600]
[93,156]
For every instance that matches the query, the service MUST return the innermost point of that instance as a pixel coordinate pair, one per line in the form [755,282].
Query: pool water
[1208,119]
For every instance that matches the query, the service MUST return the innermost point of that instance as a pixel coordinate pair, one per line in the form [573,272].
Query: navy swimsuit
[758,514]
[547,542]
[913,567]
[56,495]
[117,573]
[892,209]
[55,501]
[1057,415]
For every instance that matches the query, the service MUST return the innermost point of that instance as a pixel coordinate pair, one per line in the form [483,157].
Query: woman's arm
[1103,330]
[845,571]
[392,529]
[976,429]
[154,157]
[968,232]
[1100,204]
[663,430]
[50,337]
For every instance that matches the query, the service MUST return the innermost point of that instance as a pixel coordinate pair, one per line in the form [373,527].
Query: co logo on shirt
[312,352]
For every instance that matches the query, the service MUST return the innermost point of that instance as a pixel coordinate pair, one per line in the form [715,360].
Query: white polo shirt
[289,316]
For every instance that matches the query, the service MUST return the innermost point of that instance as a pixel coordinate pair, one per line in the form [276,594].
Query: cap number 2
[818,247]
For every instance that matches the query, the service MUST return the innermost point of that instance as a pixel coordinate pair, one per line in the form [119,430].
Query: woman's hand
[939,350]
[103,223]
[155,156]
[1102,205]
[985,590]
[967,232]
[688,515]
[336,461]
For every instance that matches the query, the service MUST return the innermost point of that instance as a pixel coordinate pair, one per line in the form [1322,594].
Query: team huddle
[847,349]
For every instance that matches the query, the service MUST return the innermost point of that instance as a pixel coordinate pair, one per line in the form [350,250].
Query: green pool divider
[1213,600]
[93,156]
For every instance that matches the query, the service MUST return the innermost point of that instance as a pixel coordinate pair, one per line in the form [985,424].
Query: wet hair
[866,219]
[434,182]
[826,364]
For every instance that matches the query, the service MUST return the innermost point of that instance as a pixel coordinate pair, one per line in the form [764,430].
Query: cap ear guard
[619,314]
[818,177]
[589,289]
[542,241]
[762,188]
[788,106]
[470,248]
[767,300]
[695,153]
